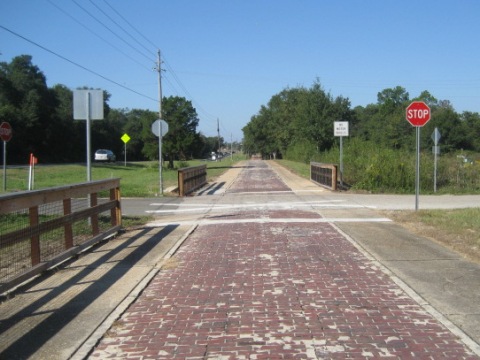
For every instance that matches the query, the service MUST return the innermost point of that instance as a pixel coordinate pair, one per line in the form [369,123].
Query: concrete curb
[85,349]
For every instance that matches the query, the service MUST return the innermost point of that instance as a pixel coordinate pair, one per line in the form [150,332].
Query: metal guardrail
[42,228]
[191,178]
[324,175]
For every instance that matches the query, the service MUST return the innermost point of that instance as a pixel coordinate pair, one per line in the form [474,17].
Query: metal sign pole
[417,171]
[160,135]
[88,121]
[435,169]
[341,161]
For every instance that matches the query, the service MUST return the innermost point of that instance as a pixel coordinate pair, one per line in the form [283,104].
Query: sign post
[341,130]
[125,138]
[6,135]
[436,150]
[160,129]
[417,114]
[88,105]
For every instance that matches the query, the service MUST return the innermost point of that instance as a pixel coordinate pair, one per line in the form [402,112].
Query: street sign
[436,136]
[88,104]
[340,128]
[160,127]
[418,113]
[125,138]
[5,131]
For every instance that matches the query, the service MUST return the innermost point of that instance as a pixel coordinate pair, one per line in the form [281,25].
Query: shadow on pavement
[31,341]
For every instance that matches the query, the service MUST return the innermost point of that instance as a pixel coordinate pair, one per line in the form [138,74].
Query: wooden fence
[42,228]
[324,174]
[191,178]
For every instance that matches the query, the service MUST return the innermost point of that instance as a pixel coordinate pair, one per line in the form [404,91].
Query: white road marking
[265,221]
[185,208]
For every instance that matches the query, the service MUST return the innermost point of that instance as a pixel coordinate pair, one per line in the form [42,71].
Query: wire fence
[39,229]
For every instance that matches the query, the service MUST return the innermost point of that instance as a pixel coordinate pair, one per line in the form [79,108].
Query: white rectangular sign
[340,128]
[85,101]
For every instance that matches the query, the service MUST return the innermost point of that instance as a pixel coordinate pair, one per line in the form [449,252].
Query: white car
[105,155]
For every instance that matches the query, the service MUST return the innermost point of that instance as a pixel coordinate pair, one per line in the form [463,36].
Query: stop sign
[418,113]
[5,131]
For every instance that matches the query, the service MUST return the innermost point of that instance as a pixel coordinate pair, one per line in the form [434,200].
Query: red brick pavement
[275,291]
[258,178]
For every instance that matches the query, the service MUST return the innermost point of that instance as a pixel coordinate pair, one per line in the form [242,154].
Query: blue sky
[231,57]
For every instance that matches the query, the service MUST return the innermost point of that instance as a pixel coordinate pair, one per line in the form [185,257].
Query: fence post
[34,240]
[94,218]
[115,213]
[67,210]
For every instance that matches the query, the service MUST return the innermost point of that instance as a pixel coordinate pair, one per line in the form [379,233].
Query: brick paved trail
[278,287]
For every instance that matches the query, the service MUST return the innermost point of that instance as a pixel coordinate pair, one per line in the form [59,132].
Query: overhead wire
[98,36]
[169,69]
[76,64]
[118,25]
[113,32]
[148,54]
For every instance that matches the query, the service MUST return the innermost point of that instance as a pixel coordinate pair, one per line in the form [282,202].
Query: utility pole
[160,135]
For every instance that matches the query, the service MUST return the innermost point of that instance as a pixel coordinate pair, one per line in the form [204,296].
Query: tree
[298,122]
[182,121]
[393,97]
[29,103]
[471,121]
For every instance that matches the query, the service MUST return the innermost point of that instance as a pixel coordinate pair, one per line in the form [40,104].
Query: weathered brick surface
[268,290]
[275,291]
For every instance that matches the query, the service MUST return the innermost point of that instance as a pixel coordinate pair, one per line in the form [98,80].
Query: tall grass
[370,167]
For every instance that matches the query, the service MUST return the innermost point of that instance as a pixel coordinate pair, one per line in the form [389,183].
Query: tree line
[298,123]
[43,124]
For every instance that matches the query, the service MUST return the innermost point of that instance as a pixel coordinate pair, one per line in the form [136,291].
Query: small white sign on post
[340,128]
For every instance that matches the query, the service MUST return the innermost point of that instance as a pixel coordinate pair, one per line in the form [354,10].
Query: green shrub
[371,167]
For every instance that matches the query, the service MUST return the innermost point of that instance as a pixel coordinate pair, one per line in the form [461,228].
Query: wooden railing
[40,229]
[191,178]
[324,174]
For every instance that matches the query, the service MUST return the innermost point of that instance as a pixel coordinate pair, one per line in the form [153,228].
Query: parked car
[105,155]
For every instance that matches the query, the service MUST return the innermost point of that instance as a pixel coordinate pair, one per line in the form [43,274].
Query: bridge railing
[324,174]
[42,228]
[191,178]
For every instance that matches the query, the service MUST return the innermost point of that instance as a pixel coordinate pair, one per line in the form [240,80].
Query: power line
[129,24]
[100,37]
[76,64]
[112,20]
[169,68]
[113,32]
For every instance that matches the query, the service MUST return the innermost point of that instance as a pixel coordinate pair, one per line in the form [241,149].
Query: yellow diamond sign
[125,138]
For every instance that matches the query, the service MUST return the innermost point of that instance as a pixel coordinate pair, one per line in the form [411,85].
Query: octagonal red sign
[5,131]
[418,113]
